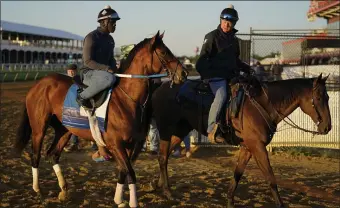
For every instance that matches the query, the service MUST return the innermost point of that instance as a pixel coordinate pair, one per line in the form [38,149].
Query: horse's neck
[136,88]
[285,108]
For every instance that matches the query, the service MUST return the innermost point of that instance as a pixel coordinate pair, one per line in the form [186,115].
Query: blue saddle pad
[72,117]
[189,91]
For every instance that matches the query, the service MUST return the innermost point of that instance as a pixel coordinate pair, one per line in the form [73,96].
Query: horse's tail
[23,133]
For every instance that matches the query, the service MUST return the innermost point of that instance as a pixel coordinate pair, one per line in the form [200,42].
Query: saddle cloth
[75,116]
[200,93]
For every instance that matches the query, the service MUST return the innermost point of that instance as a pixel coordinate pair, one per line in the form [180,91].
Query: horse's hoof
[40,197]
[153,185]
[168,194]
[230,204]
[123,204]
[62,196]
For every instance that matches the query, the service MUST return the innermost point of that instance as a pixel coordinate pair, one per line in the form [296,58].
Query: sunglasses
[229,17]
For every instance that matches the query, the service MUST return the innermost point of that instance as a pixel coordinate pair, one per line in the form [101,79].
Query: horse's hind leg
[39,123]
[243,159]
[62,135]
[261,155]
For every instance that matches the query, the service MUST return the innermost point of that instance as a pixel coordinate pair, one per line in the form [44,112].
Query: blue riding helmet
[229,14]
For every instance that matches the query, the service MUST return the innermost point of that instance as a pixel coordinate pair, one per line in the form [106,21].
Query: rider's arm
[203,63]
[88,55]
[113,64]
[243,66]
[112,60]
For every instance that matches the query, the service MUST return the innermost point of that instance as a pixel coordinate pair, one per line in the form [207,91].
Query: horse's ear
[325,78]
[162,35]
[317,80]
[154,38]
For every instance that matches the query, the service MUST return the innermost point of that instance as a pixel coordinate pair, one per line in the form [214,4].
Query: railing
[37,45]
[31,67]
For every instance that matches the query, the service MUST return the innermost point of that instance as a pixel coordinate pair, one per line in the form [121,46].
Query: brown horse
[44,104]
[278,99]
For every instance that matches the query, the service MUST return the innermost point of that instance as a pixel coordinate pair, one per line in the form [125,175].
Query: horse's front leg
[261,156]
[125,171]
[243,159]
[163,158]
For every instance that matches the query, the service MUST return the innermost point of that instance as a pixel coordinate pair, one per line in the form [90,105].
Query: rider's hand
[110,71]
[251,71]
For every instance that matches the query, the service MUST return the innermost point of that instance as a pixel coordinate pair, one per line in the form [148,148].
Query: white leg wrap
[133,195]
[119,194]
[60,176]
[35,173]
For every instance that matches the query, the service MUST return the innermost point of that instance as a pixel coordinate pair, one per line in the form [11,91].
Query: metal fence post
[35,78]
[3,79]
[26,76]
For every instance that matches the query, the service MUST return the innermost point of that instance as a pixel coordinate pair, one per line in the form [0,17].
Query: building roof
[35,30]
[325,9]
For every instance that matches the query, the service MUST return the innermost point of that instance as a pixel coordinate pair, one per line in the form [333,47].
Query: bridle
[167,73]
[293,124]
[319,118]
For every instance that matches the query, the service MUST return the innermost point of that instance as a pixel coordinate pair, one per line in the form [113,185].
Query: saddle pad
[74,116]
[189,92]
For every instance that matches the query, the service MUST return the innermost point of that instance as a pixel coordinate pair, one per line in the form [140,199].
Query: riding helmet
[229,14]
[106,13]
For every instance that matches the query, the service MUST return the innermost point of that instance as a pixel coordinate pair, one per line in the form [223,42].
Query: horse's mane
[284,92]
[127,62]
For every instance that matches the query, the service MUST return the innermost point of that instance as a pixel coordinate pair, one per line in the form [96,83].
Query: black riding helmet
[107,13]
[229,14]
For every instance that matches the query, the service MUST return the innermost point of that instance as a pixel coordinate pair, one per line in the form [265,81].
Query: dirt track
[200,181]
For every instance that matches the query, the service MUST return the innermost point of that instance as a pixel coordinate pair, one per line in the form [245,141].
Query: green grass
[24,76]
[308,151]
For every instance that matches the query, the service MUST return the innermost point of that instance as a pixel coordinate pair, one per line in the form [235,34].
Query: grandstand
[27,45]
[322,46]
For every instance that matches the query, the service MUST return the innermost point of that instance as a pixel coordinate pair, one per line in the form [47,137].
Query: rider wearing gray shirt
[98,57]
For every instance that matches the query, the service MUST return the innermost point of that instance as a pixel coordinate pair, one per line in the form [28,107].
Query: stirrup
[213,138]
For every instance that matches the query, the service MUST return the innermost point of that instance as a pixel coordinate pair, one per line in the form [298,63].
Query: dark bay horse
[44,104]
[278,99]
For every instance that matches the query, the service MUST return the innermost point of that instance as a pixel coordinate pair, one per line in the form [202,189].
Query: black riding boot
[82,102]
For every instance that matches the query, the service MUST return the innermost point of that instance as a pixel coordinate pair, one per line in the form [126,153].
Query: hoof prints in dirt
[201,181]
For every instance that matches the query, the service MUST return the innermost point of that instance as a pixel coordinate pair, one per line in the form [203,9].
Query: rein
[168,73]
[142,76]
[293,124]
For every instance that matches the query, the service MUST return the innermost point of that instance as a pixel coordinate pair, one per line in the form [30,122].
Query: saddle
[96,100]
[198,92]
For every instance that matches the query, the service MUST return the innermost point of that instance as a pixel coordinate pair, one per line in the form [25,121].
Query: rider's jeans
[96,80]
[219,88]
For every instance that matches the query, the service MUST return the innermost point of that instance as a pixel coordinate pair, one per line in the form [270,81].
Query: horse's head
[161,58]
[315,104]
